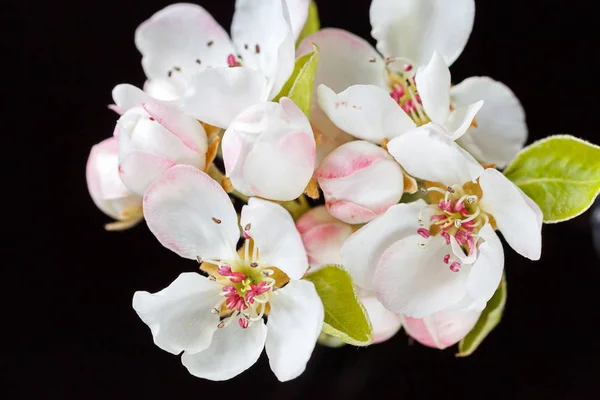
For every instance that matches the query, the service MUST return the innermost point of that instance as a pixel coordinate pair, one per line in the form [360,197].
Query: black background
[68,284]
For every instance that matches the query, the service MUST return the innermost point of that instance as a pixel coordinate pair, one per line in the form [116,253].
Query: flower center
[457,214]
[248,284]
[403,89]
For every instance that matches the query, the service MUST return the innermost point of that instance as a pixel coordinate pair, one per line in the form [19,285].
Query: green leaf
[299,88]
[560,173]
[489,318]
[312,22]
[345,316]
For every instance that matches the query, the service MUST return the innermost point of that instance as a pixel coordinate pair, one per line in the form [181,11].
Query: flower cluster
[281,114]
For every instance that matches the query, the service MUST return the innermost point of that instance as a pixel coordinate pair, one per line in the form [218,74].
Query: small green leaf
[489,318]
[312,22]
[345,316]
[560,173]
[299,88]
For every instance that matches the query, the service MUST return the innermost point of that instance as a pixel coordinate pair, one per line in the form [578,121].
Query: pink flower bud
[442,329]
[110,195]
[153,138]
[360,181]
[323,237]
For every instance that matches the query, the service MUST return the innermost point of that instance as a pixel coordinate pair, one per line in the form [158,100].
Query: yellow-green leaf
[299,87]
[312,22]
[560,173]
[489,318]
[345,316]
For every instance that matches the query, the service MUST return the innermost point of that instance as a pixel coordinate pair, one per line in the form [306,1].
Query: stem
[297,207]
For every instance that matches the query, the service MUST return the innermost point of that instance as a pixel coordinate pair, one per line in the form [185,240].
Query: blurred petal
[298,10]
[414,29]
[276,237]
[433,84]
[180,316]
[295,322]
[461,119]
[486,273]
[127,96]
[442,329]
[139,170]
[385,323]
[190,214]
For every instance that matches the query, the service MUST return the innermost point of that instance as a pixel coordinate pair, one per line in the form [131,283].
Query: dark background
[68,284]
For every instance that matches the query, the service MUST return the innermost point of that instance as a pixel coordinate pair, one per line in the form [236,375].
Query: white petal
[442,329]
[190,214]
[180,316]
[295,322]
[162,89]
[269,151]
[384,322]
[486,273]
[433,84]
[365,111]
[415,281]
[127,96]
[428,153]
[232,351]
[344,60]
[274,233]
[328,136]
[519,220]
[298,10]
[461,118]
[217,95]
[138,170]
[262,33]
[501,129]
[179,41]
[359,181]
[414,29]
[362,251]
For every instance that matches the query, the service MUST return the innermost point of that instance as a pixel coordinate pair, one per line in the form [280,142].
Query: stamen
[267,272]
[237,277]
[424,232]
[254,264]
[248,226]
[212,278]
[199,259]
[455,266]
[243,322]
[446,258]
[224,270]
[446,236]
[255,253]
[408,67]
[221,324]
[246,250]
[421,245]
[216,220]
[436,189]
[457,223]
[231,61]
[215,311]
[472,217]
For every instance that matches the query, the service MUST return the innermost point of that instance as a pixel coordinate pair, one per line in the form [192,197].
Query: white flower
[105,186]
[408,33]
[421,259]
[217,321]
[269,151]
[442,329]
[323,237]
[153,138]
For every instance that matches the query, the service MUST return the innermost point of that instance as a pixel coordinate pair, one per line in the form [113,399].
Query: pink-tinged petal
[501,130]
[190,214]
[187,129]
[433,83]
[428,153]
[313,218]
[298,11]
[263,36]
[179,41]
[344,60]
[413,279]
[359,181]
[269,151]
[107,190]
[414,29]
[461,119]
[323,237]
[217,95]
[518,218]
[127,96]
[384,322]
[328,136]
[295,322]
[162,89]
[232,351]
[361,251]
[180,316]
[139,170]
[442,329]
[274,233]
[365,111]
